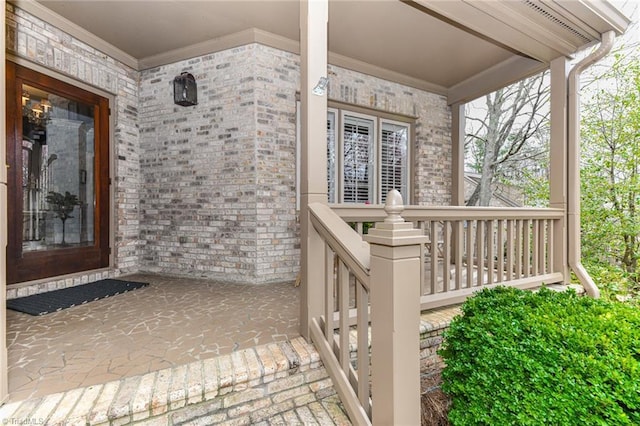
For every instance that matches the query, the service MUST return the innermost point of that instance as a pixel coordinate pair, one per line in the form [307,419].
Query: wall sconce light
[321,87]
[185,90]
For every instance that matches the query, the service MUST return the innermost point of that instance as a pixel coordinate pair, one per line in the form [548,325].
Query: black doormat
[45,303]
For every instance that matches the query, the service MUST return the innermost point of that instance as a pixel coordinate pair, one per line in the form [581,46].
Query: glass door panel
[58,183]
[58,159]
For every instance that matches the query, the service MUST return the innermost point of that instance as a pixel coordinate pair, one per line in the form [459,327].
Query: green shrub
[522,358]
[614,283]
[365,226]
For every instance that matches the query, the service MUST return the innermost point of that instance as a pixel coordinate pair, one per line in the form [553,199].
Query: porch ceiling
[437,45]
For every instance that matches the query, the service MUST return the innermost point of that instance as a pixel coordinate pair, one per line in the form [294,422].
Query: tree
[610,169]
[63,206]
[505,133]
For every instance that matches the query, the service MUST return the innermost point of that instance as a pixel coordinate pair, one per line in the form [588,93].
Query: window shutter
[358,160]
[393,160]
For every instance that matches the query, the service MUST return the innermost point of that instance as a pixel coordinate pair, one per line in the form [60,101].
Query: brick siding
[219,178]
[210,190]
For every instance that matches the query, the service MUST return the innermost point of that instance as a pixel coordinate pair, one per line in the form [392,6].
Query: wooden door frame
[30,266]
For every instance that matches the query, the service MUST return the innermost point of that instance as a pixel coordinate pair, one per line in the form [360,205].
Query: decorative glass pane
[358,160]
[393,159]
[58,171]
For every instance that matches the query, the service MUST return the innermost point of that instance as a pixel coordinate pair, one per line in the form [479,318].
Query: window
[358,159]
[374,157]
[58,153]
[367,155]
[394,140]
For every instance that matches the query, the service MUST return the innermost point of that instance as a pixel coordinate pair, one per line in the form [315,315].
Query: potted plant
[62,206]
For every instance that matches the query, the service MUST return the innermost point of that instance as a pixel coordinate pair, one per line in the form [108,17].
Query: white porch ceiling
[438,45]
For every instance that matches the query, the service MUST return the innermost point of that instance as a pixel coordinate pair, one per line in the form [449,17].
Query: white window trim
[378,120]
[407,170]
[372,173]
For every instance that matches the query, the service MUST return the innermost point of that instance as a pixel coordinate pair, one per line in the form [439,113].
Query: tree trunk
[513,116]
[63,223]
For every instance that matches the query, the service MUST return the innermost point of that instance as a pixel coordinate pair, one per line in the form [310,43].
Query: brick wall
[209,190]
[198,167]
[37,41]
[219,178]
[432,145]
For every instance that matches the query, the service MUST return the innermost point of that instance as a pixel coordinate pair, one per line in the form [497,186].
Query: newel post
[395,317]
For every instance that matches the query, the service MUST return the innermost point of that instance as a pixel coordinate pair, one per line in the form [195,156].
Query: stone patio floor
[171,322]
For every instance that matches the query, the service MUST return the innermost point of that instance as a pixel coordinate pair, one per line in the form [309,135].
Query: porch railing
[347,264]
[472,247]
[428,257]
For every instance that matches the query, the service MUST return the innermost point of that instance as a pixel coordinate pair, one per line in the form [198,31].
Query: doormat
[53,301]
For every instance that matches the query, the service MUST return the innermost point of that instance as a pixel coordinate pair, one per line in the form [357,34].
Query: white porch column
[313,177]
[3,221]
[458,134]
[457,153]
[558,162]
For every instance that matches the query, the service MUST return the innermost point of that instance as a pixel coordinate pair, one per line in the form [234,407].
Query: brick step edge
[432,323]
[141,397]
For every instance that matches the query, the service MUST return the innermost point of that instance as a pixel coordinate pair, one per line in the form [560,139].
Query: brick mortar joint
[288,359]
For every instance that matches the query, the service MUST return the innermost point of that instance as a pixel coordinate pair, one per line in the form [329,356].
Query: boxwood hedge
[522,358]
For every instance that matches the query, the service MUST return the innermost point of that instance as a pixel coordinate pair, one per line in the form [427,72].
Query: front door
[58,183]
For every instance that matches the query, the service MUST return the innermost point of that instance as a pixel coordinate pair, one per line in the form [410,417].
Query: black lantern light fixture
[185,91]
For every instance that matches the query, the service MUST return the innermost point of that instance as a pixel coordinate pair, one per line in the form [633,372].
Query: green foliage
[613,281]
[610,169]
[521,358]
[62,205]
[365,226]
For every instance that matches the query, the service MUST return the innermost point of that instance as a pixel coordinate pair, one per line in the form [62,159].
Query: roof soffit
[447,50]
[542,29]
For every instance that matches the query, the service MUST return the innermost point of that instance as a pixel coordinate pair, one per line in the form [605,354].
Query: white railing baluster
[343,288]
[446,252]
[510,249]
[542,247]
[362,301]
[526,245]
[490,251]
[470,253]
[500,250]
[458,247]
[480,252]
[519,232]
[550,239]
[329,292]
[433,253]
[424,288]
[535,264]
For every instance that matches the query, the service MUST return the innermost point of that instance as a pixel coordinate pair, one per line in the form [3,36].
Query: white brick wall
[199,169]
[209,190]
[244,127]
[432,144]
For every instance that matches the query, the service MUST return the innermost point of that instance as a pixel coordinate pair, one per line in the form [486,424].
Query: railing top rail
[375,212]
[343,240]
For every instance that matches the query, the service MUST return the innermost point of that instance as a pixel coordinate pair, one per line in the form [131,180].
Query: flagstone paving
[171,322]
